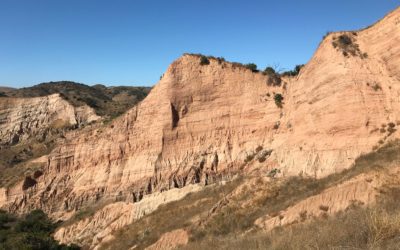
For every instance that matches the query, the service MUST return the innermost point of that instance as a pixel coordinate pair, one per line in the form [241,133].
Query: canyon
[204,124]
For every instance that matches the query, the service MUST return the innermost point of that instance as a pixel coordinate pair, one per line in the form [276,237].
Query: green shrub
[204,60]
[274,78]
[346,43]
[269,71]
[33,231]
[278,98]
[294,72]
[35,221]
[252,67]
[345,40]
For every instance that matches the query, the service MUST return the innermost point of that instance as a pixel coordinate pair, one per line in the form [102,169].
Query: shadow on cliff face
[223,216]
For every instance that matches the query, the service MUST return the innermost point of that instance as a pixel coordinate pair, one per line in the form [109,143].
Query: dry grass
[86,212]
[222,217]
[382,226]
[171,216]
[234,219]
[377,227]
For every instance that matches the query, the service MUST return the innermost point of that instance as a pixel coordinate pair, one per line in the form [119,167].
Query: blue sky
[121,42]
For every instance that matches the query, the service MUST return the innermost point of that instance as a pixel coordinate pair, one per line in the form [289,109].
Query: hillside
[219,153]
[106,101]
[34,119]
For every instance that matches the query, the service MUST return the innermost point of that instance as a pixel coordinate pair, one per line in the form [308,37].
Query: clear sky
[122,42]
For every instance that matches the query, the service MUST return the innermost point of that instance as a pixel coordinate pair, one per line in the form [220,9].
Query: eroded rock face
[203,122]
[97,229]
[25,118]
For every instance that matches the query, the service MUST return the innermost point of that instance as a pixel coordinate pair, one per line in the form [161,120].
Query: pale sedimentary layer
[98,228]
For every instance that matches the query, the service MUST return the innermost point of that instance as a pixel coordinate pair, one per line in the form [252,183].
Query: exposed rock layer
[25,118]
[202,122]
[98,228]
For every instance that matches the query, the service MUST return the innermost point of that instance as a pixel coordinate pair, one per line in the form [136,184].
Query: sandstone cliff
[202,123]
[25,118]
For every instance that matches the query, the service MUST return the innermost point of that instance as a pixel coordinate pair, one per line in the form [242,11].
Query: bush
[35,221]
[204,60]
[274,78]
[252,67]
[294,72]
[377,87]
[269,71]
[347,45]
[32,231]
[345,40]
[278,98]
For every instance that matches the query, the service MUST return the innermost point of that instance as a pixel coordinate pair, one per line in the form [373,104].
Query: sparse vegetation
[346,43]
[278,98]
[376,227]
[14,165]
[376,87]
[107,101]
[273,173]
[204,60]
[274,78]
[294,72]
[148,229]
[269,71]
[358,227]
[220,216]
[252,67]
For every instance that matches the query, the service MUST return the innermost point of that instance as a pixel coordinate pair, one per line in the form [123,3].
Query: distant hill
[107,101]
[5,90]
